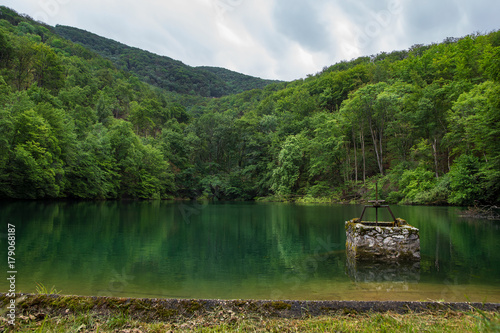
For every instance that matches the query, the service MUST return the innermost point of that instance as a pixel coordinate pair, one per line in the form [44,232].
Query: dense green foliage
[165,72]
[423,122]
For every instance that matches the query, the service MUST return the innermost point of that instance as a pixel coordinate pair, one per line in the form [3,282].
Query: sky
[271,39]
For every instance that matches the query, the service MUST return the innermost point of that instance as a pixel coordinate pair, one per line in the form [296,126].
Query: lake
[239,250]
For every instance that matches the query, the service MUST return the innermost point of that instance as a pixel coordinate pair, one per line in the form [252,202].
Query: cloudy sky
[274,39]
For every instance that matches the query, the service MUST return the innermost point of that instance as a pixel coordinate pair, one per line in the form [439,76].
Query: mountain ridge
[162,71]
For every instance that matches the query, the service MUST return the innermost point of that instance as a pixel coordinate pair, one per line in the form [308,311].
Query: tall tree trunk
[381,135]
[348,160]
[355,157]
[434,153]
[449,160]
[375,145]
[362,139]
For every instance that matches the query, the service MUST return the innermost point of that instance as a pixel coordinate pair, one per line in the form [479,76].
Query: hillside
[162,71]
[424,123]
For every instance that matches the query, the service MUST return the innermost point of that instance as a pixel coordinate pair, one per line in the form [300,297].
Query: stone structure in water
[383,252]
[381,241]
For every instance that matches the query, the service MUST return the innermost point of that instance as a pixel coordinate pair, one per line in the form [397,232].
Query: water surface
[241,250]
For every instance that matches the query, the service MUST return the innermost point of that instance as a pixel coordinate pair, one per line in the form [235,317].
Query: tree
[140,117]
[290,163]
[6,50]
[474,121]
[431,120]
[92,172]
[218,141]
[415,183]
[6,132]
[491,63]
[22,62]
[333,88]
[104,107]
[34,167]
[326,148]
[475,131]
[402,124]
[465,181]
[371,115]
[142,169]
[47,68]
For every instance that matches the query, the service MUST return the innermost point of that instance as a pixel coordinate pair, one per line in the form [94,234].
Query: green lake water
[240,251]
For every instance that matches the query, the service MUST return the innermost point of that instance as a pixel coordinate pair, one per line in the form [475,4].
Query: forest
[162,71]
[421,123]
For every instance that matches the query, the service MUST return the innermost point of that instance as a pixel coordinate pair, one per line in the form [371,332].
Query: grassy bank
[222,321]
[52,313]
[450,321]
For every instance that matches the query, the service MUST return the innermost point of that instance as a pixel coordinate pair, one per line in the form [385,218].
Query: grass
[223,321]
[41,289]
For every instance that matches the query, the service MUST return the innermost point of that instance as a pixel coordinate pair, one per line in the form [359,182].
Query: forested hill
[165,72]
[423,123]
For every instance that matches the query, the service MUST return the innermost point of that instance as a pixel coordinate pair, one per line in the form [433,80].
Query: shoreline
[167,308]
[56,313]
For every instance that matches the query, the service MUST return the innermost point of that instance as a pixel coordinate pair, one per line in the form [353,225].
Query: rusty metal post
[392,214]
[377,204]
[362,213]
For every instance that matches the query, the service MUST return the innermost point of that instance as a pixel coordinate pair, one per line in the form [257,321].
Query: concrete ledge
[168,309]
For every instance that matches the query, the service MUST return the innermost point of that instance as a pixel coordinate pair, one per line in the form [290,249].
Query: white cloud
[284,39]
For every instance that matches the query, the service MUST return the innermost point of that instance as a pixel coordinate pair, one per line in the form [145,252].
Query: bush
[438,195]
[465,182]
[414,184]
[320,189]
